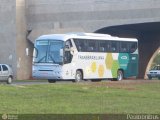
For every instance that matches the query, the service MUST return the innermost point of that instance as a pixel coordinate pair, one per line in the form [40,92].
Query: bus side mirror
[27,52]
[61,52]
[35,52]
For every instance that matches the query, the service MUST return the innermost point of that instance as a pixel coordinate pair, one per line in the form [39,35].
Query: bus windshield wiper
[52,58]
[41,59]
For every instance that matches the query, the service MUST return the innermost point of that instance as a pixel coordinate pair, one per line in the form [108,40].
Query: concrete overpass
[127,18]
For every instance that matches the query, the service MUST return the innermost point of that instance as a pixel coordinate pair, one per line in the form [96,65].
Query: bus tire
[78,76]
[120,75]
[51,81]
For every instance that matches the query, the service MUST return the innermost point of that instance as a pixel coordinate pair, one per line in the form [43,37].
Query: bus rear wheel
[120,75]
[78,76]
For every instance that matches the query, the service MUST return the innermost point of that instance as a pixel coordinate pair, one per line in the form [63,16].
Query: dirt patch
[124,84]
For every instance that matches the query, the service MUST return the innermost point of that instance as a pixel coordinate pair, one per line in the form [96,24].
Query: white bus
[84,56]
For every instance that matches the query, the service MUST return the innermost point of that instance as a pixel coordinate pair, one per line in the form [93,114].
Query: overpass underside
[148,35]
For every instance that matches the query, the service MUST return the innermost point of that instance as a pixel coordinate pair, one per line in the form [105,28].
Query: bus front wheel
[51,81]
[78,76]
[120,75]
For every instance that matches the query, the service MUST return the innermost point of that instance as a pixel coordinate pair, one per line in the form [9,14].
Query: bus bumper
[46,75]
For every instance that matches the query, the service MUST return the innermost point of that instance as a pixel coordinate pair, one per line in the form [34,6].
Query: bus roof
[94,36]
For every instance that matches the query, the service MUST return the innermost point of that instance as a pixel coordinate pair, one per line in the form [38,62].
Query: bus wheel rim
[119,76]
[78,77]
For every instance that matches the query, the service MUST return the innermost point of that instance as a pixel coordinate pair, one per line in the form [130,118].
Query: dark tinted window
[92,46]
[156,68]
[124,47]
[0,67]
[114,46]
[81,45]
[4,68]
[133,47]
[108,46]
[102,46]
[105,46]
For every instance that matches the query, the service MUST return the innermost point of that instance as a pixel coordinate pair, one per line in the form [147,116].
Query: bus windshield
[48,51]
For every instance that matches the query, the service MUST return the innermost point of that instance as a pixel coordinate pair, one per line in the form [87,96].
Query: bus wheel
[119,75]
[51,81]
[78,76]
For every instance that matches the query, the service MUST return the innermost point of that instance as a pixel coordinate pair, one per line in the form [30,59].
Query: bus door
[129,58]
[69,68]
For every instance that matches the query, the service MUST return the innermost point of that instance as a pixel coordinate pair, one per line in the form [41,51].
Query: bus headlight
[33,69]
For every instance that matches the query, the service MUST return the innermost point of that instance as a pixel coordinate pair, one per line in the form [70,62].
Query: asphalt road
[29,82]
[36,82]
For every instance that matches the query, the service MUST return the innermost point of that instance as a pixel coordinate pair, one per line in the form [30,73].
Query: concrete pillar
[23,62]
[148,45]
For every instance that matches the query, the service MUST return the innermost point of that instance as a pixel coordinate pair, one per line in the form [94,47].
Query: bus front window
[48,51]
[41,47]
[54,52]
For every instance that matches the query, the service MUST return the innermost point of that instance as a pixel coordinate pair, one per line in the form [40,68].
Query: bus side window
[77,44]
[92,46]
[108,46]
[102,47]
[133,47]
[114,46]
[81,45]
[123,47]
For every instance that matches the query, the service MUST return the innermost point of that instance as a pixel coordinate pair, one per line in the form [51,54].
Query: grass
[81,98]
